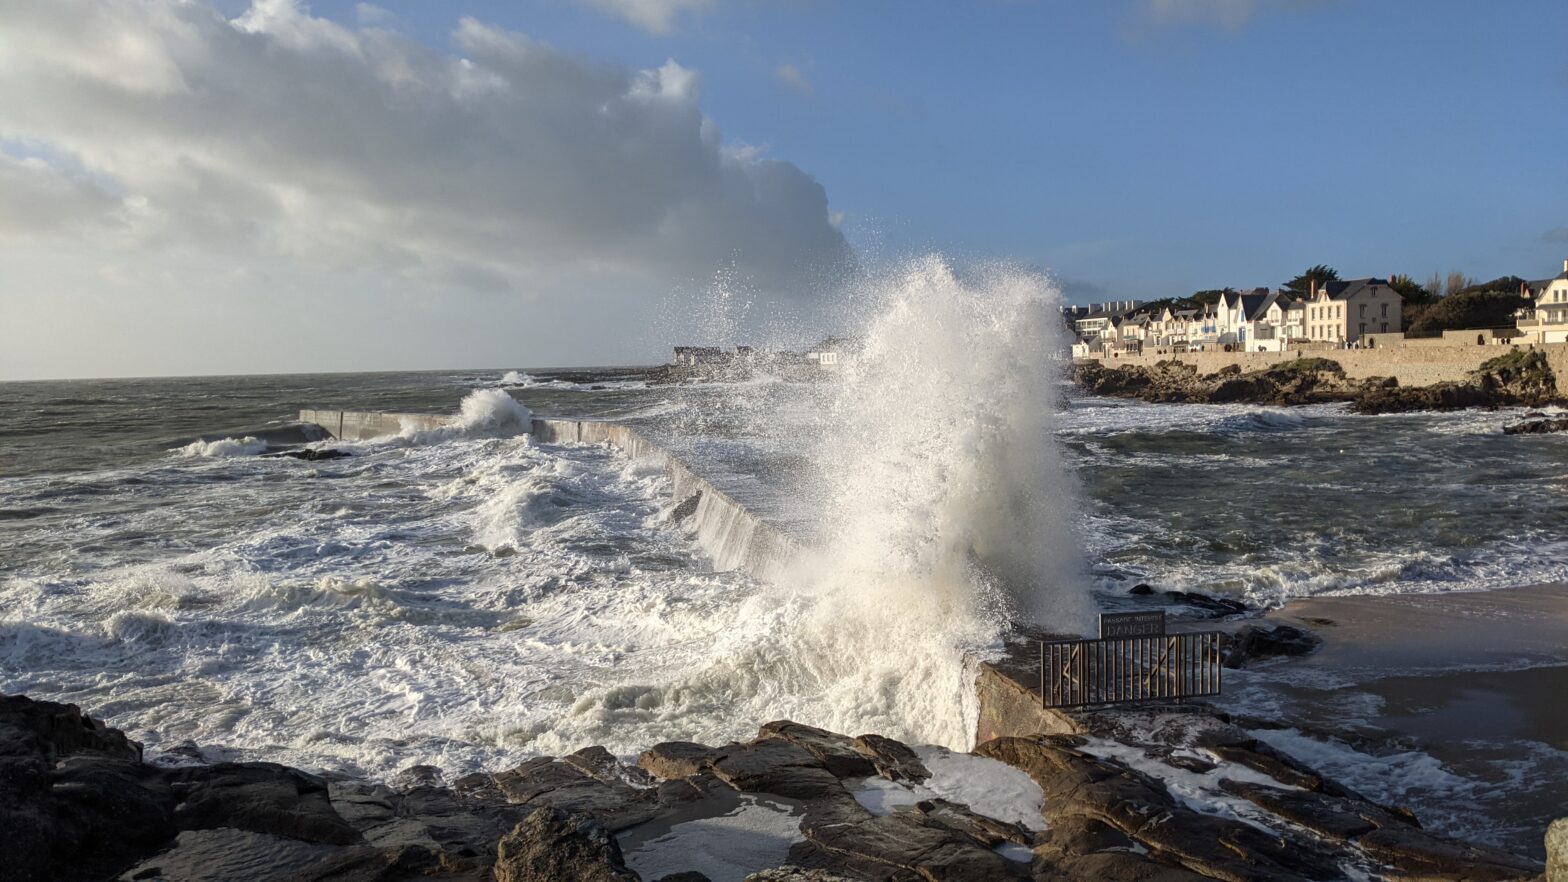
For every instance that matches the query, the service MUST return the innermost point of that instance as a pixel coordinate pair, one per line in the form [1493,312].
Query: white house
[1344,312]
[1547,321]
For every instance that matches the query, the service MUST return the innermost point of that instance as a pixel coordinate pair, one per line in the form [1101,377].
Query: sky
[248,186]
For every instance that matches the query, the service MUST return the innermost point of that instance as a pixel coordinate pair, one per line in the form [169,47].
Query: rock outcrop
[1520,378]
[78,803]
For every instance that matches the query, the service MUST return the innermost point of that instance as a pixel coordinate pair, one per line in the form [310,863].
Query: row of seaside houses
[1334,313]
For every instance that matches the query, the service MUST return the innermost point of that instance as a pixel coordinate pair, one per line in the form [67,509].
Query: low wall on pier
[1412,364]
[734,537]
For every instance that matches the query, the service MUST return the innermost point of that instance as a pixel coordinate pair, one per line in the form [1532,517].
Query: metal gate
[1113,670]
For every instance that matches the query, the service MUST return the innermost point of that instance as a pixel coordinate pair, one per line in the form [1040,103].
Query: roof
[1253,305]
[1351,288]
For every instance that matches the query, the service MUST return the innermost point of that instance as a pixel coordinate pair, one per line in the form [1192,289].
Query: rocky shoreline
[1128,797]
[1515,379]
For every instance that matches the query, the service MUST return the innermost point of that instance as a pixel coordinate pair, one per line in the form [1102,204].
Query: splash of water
[946,517]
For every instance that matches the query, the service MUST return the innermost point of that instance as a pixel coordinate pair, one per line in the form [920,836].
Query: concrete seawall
[734,537]
[1410,365]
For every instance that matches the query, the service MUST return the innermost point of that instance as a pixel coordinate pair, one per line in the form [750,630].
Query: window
[1385,327]
[1363,310]
[1363,328]
[1385,311]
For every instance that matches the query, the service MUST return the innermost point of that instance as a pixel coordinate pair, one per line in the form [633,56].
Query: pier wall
[1413,363]
[734,537]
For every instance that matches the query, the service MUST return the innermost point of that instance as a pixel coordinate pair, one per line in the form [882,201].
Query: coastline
[1460,691]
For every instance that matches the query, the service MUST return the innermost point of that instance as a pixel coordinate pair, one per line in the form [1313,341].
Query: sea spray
[946,516]
[949,514]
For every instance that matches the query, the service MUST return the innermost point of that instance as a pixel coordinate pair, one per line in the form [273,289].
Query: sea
[468,598]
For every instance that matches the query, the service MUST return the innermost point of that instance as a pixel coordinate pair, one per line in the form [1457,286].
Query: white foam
[246,446]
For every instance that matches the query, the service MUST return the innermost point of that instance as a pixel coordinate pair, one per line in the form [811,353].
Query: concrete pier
[734,537]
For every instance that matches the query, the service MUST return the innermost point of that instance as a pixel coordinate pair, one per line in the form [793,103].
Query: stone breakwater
[1516,378]
[77,802]
[731,534]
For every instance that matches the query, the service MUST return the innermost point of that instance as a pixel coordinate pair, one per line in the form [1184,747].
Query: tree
[1486,305]
[1412,293]
[1434,285]
[1302,285]
[1210,296]
[1458,281]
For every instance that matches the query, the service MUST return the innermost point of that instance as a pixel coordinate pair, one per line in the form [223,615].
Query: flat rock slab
[778,766]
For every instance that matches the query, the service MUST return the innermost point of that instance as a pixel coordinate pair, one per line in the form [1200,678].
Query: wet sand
[1477,682]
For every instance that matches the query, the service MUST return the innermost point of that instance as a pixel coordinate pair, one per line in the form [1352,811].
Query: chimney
[1314,294]
[1565,266]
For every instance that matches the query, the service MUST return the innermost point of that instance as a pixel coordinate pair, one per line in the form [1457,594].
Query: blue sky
[236,186]
[1137,149]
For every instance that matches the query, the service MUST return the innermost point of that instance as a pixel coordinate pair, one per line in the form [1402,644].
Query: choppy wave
[246,446]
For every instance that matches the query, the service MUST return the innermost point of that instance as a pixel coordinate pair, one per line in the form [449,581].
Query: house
[1547,321]
[834,352]
[1097,322]
[1343,312]
[692,356]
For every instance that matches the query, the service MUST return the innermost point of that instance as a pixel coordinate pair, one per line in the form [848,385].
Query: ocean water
[468,598]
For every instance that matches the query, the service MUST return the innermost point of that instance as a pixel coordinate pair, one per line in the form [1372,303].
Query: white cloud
[280,136]
[793,77]
[654,16]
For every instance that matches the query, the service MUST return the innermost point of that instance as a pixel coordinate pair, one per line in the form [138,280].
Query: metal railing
[1113,670]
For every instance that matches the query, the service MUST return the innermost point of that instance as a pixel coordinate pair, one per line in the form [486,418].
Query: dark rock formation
[1517,378]
[551,845]
[311,454]
[1520,378]
[1302,381]
[77,803]
[1539,426]
[1268,641]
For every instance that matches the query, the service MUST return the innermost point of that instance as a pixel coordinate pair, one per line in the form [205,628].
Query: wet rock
[893,760]
[552,845]
[1415,854]
[1268,641]
[687,876]
[797,874]
[1142,589]
[685,508]
[51,730]
[226,853]
[1331,816]
[905,845]
[676,759]
[260,798]
[310,454]
[1111,866]
[778,766]
[1537,426]
[564,785]
[418,776]
[837,753]
[1216,607]
[602,766]
[983,831]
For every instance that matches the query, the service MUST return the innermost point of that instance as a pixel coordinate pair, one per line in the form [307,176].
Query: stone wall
[734,537]
[1411,365]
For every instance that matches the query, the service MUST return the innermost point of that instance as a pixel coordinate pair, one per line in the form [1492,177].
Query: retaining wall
[1411,365]
[731,535]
